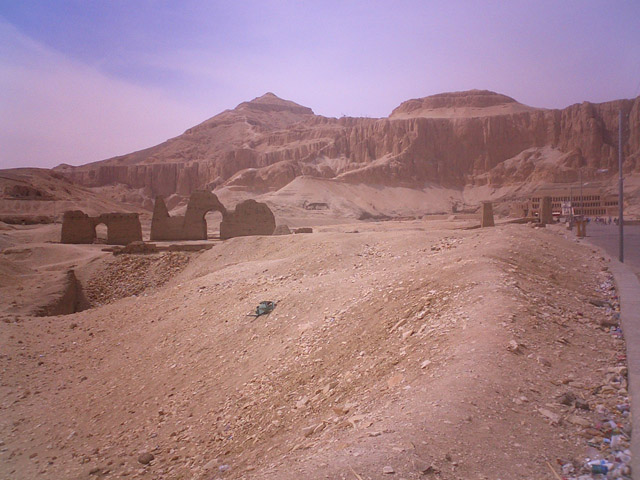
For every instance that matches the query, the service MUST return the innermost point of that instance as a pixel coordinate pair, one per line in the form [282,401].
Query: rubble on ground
[129,275]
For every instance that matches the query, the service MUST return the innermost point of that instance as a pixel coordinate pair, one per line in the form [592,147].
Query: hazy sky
[81,81]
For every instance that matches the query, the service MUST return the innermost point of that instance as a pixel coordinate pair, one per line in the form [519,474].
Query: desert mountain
[42,192]
[451,140]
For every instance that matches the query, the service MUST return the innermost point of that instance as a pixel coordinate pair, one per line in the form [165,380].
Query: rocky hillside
[452,140]
[27,194]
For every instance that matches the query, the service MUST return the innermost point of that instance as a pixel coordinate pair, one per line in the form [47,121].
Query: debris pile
[608,439]
[129,275]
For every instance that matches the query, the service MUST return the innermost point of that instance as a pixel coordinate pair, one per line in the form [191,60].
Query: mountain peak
[469,103]
[270,102]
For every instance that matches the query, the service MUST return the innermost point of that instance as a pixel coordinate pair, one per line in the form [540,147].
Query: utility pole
[571,202]
[581,197]
[620,194]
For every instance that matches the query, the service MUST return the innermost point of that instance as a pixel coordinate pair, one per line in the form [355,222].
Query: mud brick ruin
[122,228]
[249,218]
[192,225]
[487,215]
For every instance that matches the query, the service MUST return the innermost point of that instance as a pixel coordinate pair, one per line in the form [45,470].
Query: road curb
[628,287]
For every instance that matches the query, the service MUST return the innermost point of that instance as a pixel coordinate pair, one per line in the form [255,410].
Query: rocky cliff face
[454,139]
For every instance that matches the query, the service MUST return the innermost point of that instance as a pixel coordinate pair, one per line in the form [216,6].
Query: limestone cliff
[452,139]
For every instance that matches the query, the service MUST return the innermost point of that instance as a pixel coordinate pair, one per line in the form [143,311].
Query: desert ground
[397,349]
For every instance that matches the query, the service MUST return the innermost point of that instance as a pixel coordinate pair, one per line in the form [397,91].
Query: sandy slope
[388,347]
[33,266]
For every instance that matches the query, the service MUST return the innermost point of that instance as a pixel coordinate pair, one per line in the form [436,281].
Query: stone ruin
[249,218]
[122,228]
[487,215]
[282,230]
[190,226]
[315,205]
[546,214]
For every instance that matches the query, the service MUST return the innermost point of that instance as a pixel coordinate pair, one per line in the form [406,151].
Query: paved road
[606,237]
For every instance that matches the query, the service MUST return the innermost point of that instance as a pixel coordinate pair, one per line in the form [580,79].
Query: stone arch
[122,228]
[99,237]
[192,225]
[212,219]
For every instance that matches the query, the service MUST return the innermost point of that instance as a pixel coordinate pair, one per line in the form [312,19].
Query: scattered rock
[608,322]
[567,399]
[146,458]
[388,470]
[302,402]
[514,347]
[407,334]
[581,404]
[543,361]
[554,417]
[341,410]
[576,420]
[398,324]
[599,303]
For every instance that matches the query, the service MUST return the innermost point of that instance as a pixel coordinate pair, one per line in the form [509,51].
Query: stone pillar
[487,215]
[546,215]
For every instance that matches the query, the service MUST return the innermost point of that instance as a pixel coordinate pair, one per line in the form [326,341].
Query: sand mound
[388,347]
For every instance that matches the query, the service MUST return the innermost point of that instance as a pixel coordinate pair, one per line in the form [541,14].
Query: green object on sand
[263,308]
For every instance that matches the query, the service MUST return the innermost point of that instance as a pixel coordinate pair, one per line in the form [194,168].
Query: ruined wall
[122,228]
[249,218]
[77,227]
[190,226]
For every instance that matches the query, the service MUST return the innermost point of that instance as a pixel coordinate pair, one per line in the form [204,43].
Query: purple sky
[83,81]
